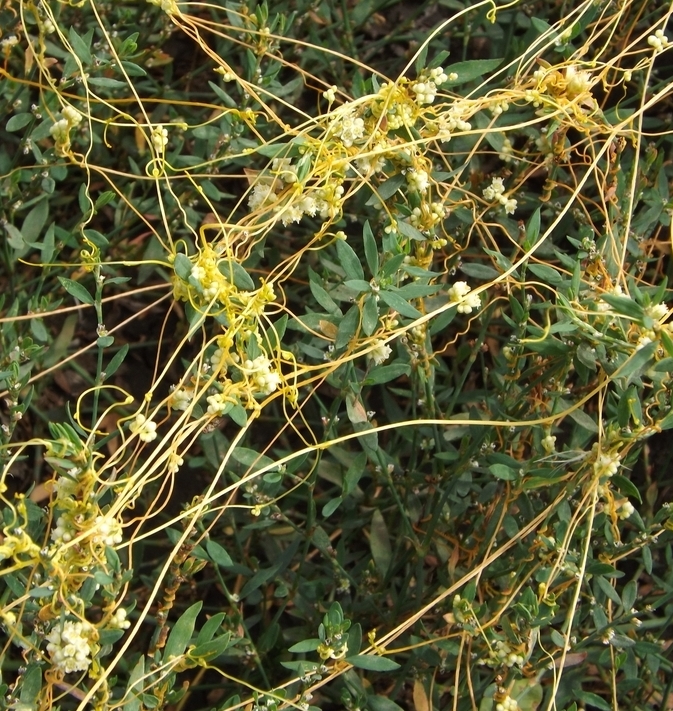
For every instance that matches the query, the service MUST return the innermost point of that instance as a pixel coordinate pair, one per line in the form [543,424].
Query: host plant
[332,340]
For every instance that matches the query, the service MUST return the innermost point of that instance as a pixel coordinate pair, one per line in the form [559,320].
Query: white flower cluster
[330,94]
[349,128]
[607,464]
[218,404]
[61,128]
[262,375]
[107,530]
[69,646]
[399,108]
[501,654]
[170,7]
[118,619]
[418,180]
[461,293]
[495,191]
[8,43]
[425,87]
[325,201]
[144,428]
[63,532]
[380,353]
[548,443]
[507,704]
[159,139]
[658,312]
[658,41]
[626,508]
[375,161]
[180,398]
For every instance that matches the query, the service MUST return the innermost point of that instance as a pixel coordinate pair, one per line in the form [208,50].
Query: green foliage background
[333,339]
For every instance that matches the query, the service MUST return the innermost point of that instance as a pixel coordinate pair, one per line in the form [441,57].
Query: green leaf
[133,70]
[274,150]
[638,363]
[583,420]
[588,697]
[135,686]
[107,83]
[467,71]
[547,274]
[306,645]
[608,589]
[181,634]
[385,373]
[100,240]
[404,228]
[80,46]
[379,541]
[388,188]
[104,198]
[30,687]
[370,315]
[116,360]
[479,271]
[237,274]
[105,341]
[320,294]
[399,304]
[371,249]
[14,237]
[624,305]
[331,506]
[212,649]
[357,285]
[349,260]
[218,554]
[212,625]
[382,703]
[182,266]
[625,486]
[373,662]
[34,221]
[502,471]
[77,290]
[18,121]
[251,459]
[533,228]
[629,595]
[347,327]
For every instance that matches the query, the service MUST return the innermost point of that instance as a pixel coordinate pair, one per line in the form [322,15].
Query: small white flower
[159,139]
[107,531]
[72,115]
[495,189]
[262,195]
[175,461]
[217,405]
[180,399]
[69,647]
[548,443]
[418,180]
[460,293]
[118,619]
[658,312]
[144,428]
[330,94]
[349,128]
[607,464]
[380,353]
[59,131]
[625,510]
[658,41]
